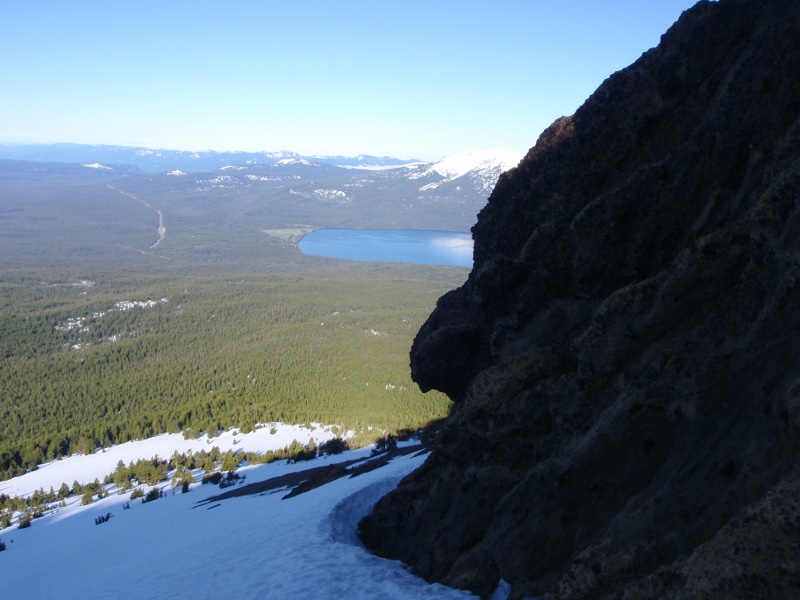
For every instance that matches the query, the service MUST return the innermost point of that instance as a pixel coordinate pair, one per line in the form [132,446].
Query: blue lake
[395,245]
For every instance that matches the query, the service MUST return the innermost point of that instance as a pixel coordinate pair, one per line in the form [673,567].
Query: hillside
[624,357]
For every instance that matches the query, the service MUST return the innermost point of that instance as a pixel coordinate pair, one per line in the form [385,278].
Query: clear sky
[416,78]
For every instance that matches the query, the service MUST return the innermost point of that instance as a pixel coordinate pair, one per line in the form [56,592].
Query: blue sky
[415,78]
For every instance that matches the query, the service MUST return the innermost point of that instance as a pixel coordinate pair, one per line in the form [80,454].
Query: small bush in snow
[334,446]
[232,478]
[24,520]
[212,478]
[384,444]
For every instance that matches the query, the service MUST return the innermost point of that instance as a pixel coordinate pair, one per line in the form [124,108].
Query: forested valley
[105,338]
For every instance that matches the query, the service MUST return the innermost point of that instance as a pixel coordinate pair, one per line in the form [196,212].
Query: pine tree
[24,520]
[63,491]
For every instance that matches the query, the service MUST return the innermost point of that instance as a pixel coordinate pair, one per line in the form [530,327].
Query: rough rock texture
[625,356]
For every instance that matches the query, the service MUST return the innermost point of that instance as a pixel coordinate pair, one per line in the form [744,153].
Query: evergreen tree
[24,520]
[63,491]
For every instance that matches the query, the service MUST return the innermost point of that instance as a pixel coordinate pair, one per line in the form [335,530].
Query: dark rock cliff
[625,356]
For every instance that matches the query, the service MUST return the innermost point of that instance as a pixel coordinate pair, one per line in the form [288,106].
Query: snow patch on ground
[293,161]
[335,196]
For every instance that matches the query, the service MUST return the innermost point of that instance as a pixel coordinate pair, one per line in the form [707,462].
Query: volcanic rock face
[625,356]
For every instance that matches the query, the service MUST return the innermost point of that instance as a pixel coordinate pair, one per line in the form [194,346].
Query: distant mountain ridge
[284,188]
[447,193]
[155,160]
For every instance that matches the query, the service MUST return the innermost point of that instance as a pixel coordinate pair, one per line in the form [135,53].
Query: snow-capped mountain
[457,165]
[483,167]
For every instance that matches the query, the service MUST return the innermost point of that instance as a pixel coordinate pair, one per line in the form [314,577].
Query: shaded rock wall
[625,355]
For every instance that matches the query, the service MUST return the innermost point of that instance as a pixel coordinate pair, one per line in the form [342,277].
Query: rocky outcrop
[625,355]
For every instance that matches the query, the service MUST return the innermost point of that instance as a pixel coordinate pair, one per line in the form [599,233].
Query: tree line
[155,470]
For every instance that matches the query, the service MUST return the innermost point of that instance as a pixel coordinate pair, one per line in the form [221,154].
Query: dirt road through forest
[162,231]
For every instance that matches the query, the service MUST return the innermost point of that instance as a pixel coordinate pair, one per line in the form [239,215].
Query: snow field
[256,546]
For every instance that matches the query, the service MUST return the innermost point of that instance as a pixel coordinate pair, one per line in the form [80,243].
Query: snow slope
[85,469]
[256,546]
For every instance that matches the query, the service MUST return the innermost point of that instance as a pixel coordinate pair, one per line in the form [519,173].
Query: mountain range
[483,166]
[285,187]
[153,160]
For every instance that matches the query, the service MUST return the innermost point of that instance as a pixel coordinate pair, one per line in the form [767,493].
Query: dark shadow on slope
[309,479]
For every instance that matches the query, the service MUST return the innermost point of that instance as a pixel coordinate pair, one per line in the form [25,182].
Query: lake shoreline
[416,246]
